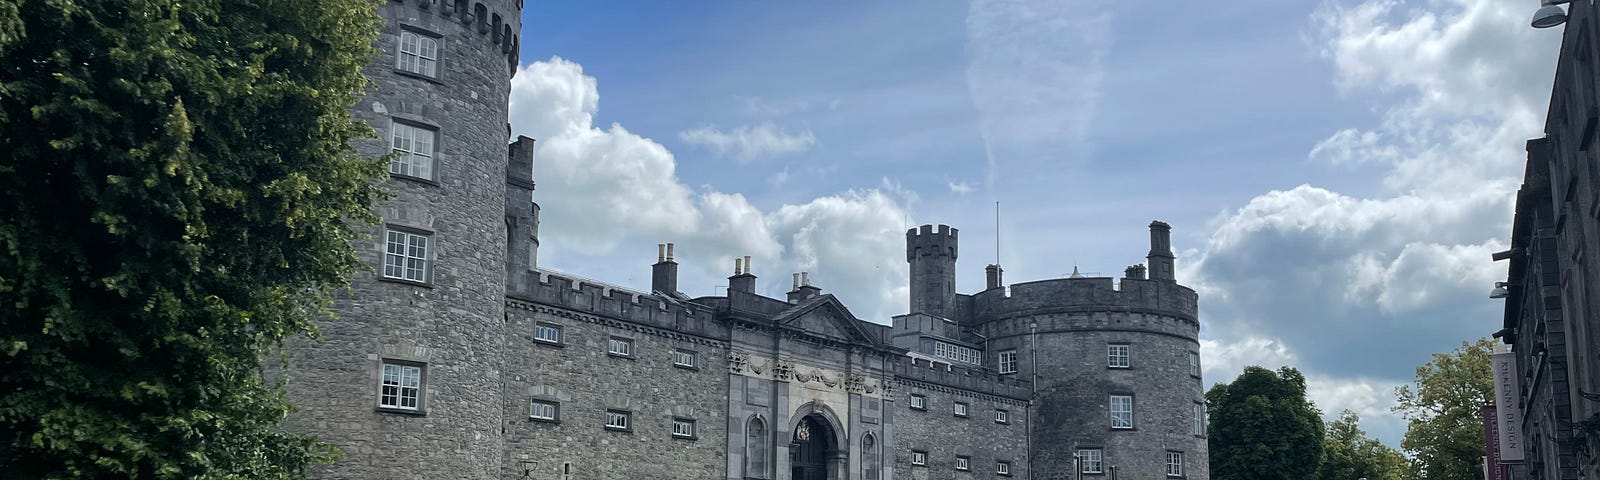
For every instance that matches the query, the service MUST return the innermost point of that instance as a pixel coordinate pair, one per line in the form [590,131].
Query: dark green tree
[177,194]
[1263,428]
[1444,429]
[1348,454]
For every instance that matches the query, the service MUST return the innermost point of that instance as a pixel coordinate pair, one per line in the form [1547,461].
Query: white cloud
[747,143]
[1222,361]
[1034,72]
[960,187]
[607,191]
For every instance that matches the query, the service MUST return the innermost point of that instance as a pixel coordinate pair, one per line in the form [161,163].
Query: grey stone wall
[587,381]
[453,323]
[944,436]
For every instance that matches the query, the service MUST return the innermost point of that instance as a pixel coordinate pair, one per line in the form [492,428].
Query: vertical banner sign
[1508,403]
[1492,469]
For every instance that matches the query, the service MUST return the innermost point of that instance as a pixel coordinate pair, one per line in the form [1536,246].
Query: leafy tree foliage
[1348,454]
[177,194]
[1263,428]
[1444,431]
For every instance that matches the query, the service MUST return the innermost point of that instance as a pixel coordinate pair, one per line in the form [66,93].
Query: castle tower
[407,379]
[932,255]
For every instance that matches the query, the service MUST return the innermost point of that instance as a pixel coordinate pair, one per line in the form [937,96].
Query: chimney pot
[748,267]
[805,279]
[796,281]
[669,252]
[661,252]
[738,266]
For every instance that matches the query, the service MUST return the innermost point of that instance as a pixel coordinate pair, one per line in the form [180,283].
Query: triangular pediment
[824,316]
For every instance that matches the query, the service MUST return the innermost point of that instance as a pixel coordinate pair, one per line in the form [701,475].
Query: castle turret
[992,274]
[932,255]
[1161,257]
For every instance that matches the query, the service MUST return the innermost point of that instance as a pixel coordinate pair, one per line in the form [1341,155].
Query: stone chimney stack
[664,274]
[1134,272]
[992,273]
[803,288]
[1160,257]
[742,280]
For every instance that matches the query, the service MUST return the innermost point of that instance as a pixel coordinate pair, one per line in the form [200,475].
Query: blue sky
[1337,172]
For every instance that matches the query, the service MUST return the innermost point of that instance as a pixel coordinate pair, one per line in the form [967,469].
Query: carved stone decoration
[871,388]
[802,377]
[855,382]
[737,362]
[830,382]
[759,367]
[888,388]
[782,371]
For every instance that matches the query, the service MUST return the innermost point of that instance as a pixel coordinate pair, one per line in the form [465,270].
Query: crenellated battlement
[967,379]
[497,21]
[1099,293]
[586,296]
[927,241]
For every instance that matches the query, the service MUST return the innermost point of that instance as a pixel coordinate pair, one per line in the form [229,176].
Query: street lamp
[1550,14]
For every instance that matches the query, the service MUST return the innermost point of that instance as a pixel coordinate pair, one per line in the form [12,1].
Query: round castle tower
[1115,367]
[407,378]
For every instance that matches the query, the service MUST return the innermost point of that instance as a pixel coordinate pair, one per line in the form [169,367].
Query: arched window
[869,457]
[755,447]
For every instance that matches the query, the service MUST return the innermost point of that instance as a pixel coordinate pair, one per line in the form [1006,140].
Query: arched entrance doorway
[812,453]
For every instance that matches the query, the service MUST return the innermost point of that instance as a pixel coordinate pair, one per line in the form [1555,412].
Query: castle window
[544,410]
[683,428]
[963,463]
[1117,356]
[1122,411]
[957,352]
[547,333]
[1008,361]
[1002,468]
[1174,464]
[415,145]
[685,358]
[619,420]
[419,54]
[406,255]
[919,402]
[919,457]
[1194,364]
[1199,419]
[1002,416]
[756,449]
[620,347]
[1089,461]
[402,386]
[961,409]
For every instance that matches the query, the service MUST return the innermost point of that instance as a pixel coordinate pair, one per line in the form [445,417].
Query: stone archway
[813,454]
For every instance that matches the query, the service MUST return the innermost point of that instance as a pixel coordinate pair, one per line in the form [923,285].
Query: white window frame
[683,427]
[619,420]
[618,346]
[1199,426]
[547,333]
[1002,416]
[963,463]
[960,409]
[919,402]
[1174,464]
[406,255]
[418,53]
[1194,364]
[951,351]
[685,358]
[417,151]
[1091,460]
[1002,468]
[554,409]
[1117,355]
[1008,361]
[400,386]
[919,458]
[1122,412]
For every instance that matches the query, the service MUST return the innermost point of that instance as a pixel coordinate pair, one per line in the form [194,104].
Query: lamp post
[1550,14]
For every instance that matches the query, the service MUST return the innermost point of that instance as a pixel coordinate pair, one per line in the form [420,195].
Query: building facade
[1553,287]
[457,357]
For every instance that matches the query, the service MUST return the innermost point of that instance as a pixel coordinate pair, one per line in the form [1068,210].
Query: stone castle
[456,357]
